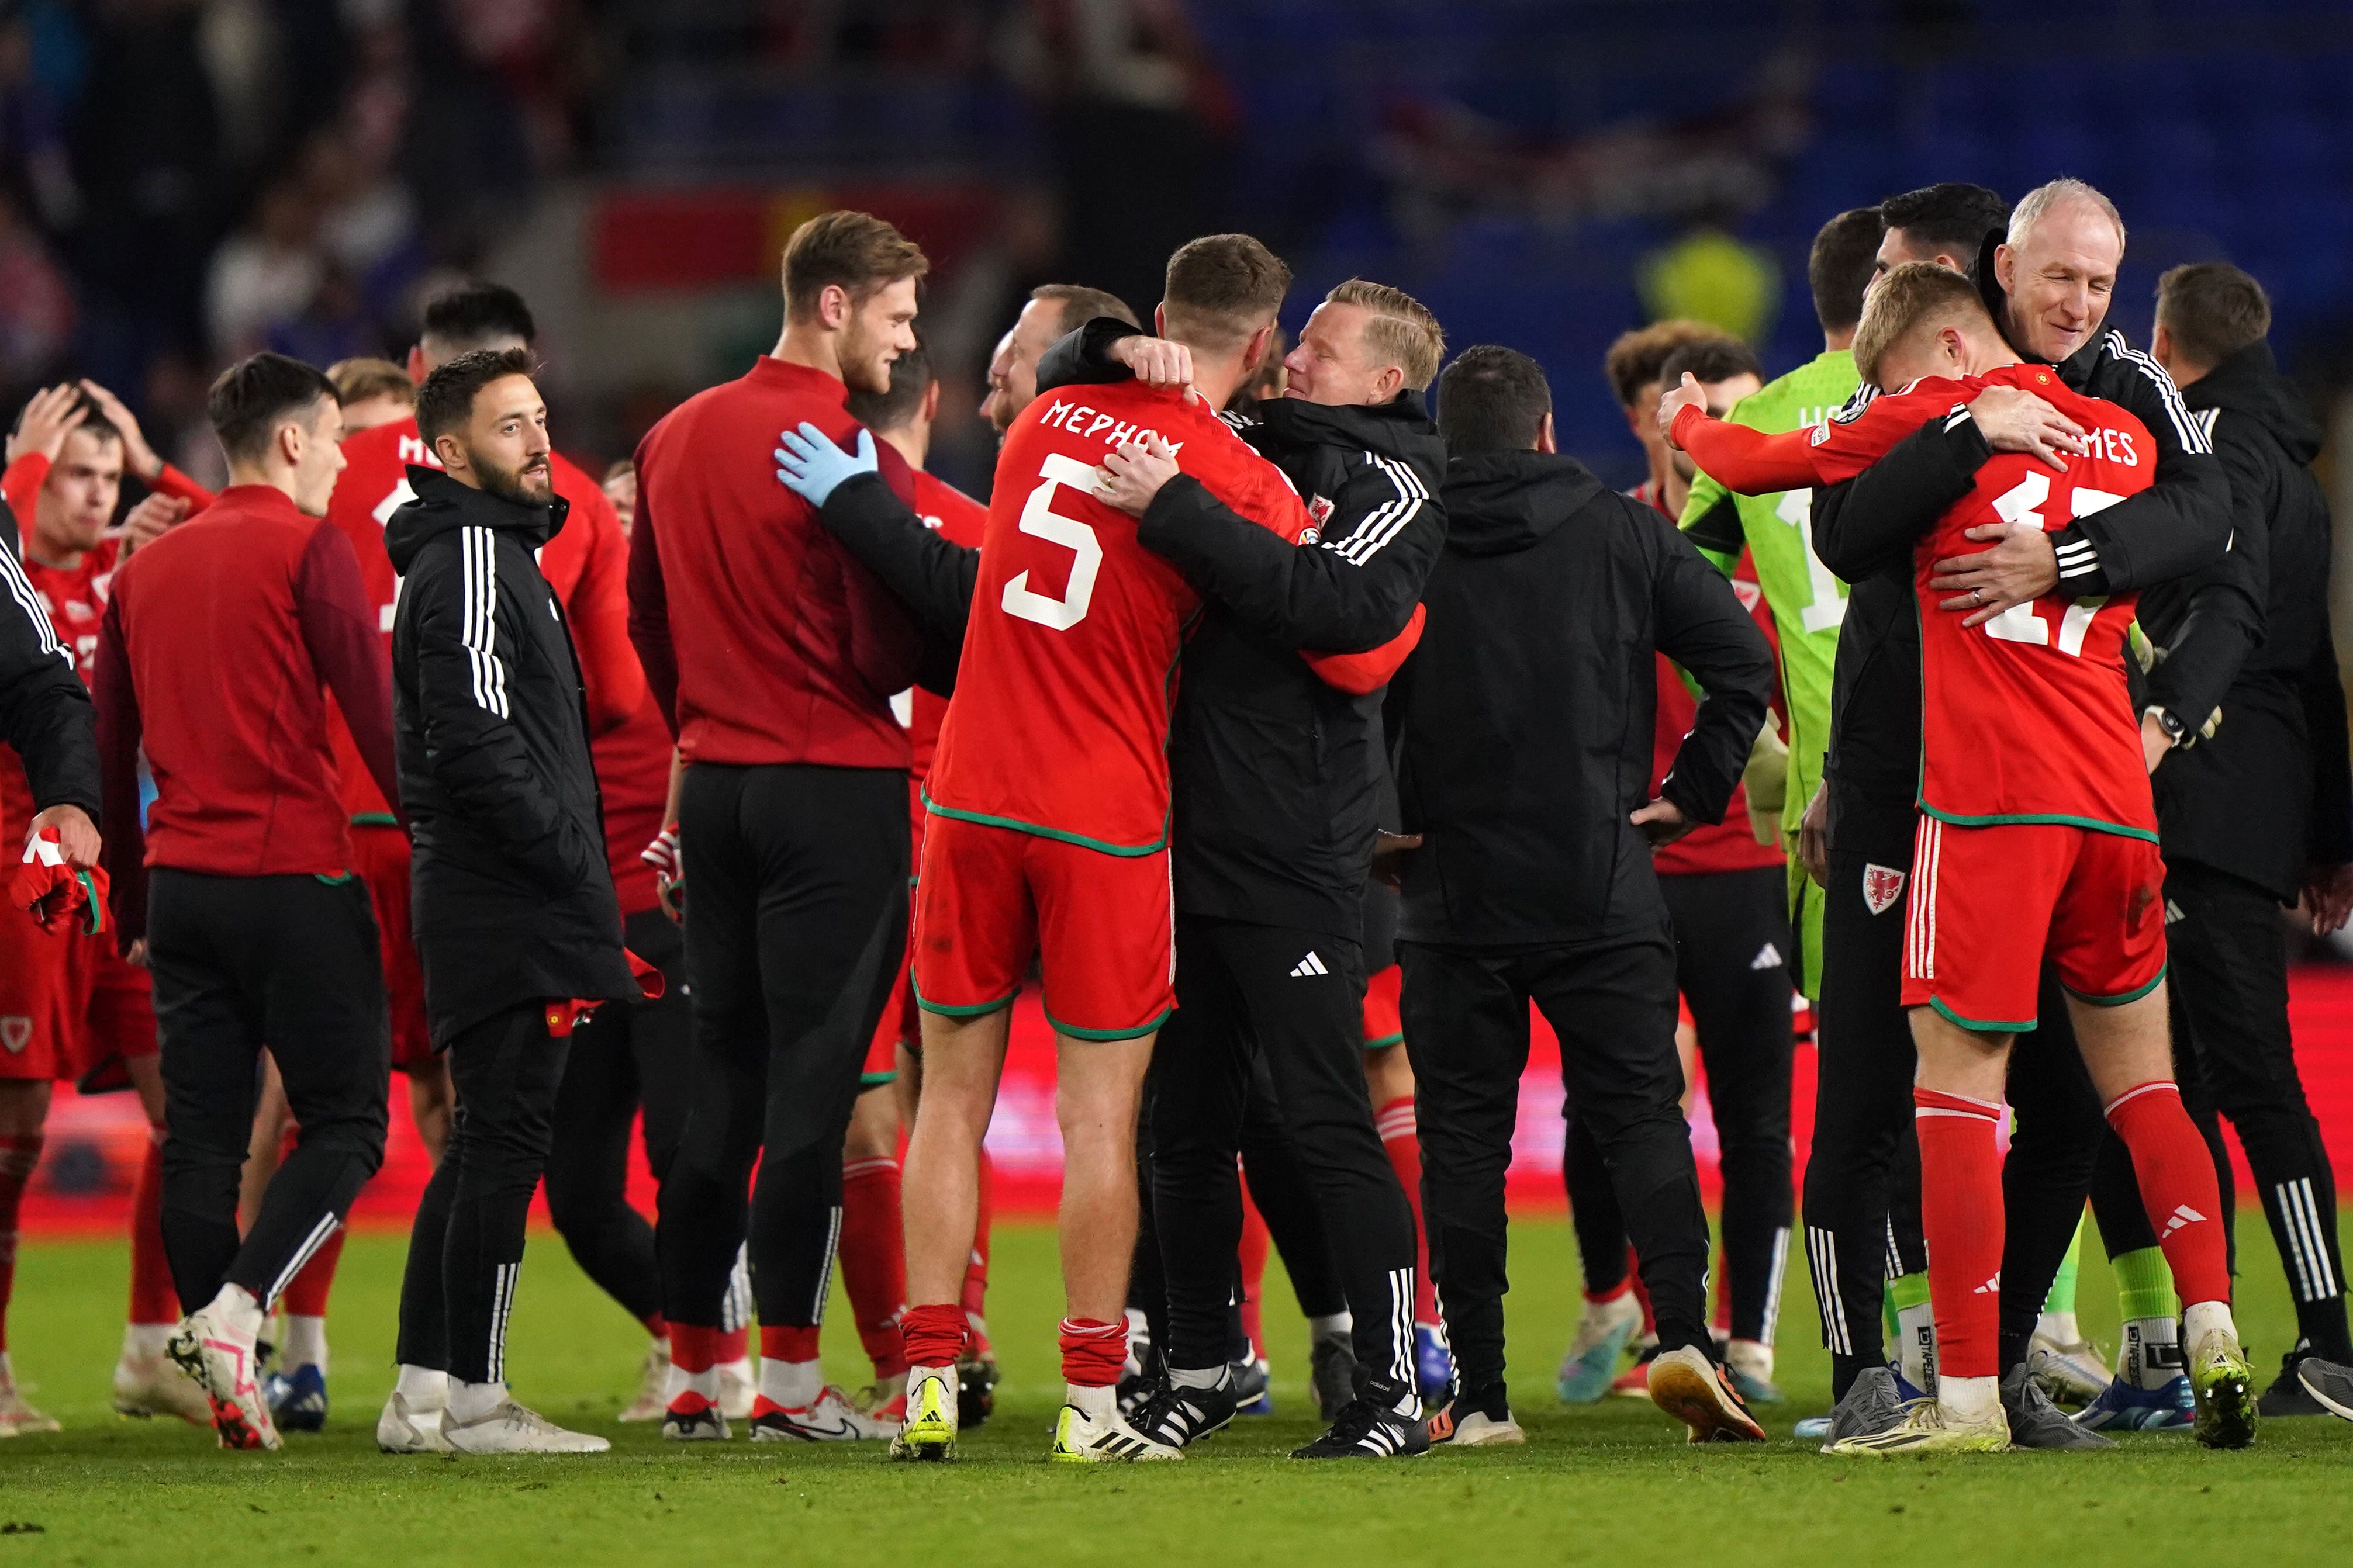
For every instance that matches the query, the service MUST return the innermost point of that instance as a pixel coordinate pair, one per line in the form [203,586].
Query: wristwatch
[2173,727]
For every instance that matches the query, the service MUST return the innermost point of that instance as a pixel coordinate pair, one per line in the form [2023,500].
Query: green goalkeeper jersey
[1807,601]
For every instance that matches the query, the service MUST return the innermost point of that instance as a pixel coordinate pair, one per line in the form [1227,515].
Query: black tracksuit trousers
[1248,994]
[465,1251]
[624,1056]
[2236,1058]
[795,924]
[1466,1027]
[1732,947]
[239,963]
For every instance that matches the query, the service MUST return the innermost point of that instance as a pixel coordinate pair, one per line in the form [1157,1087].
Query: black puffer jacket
[2268,793]
[1522,725]
[45,710]
[513,901]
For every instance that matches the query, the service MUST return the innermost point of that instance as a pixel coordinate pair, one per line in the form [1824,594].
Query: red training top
[2026,717]
[763,640]
[1060,721]
[217,650]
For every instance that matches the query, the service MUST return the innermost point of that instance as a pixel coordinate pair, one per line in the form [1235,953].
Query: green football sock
[2145,1285]
[2062,1299]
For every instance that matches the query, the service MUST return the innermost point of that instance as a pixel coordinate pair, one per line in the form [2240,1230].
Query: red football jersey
[1060,722]
[2026,717]
[76,603]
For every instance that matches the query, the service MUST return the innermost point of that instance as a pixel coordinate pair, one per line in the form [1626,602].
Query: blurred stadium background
[185,181]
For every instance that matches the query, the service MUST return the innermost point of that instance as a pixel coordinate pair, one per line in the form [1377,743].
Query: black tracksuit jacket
[1864,529]
[45,710]
[2272,791]
[1273,775]
[512,897]
[1522,725]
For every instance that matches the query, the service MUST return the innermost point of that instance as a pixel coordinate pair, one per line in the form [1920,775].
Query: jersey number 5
[1039,517]
[2020,506]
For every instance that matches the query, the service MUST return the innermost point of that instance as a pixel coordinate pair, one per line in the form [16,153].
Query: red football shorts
[112,1002]
[39,1026]
[1989,904]
[380,855]
[1101,926]
[1383,1027]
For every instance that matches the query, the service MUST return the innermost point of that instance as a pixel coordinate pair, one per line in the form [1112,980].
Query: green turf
[1612,1483]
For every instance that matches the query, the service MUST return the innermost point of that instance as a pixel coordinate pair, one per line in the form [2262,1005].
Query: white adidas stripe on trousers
[2315,1280]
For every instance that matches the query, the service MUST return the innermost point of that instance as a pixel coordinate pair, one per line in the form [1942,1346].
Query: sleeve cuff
[2081,575]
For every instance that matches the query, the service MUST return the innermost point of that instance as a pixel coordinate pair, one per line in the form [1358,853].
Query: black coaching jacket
[46,714]
[1865,531]
[2270,792]
[1273,776]
[1522,725]
[513,898]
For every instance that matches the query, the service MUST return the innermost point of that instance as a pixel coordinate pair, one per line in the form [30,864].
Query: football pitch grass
[1612,1483]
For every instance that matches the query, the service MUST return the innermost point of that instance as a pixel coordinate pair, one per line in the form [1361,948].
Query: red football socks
[1093,1352]
[18,1156]
[695,1348]
[874,1260]
[1400,1135]
[306,1294]
[1961,1216]
[152,1298]
[787,1344]
[975,1272]
[2177,1187]
[932,1335]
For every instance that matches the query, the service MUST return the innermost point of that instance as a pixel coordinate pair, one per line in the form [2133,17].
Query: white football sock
[794,1384]
[306,1342]
[473,1401]
[2151,1356]
[1969,1401]
[2059,1328]
[704,1383]
[1198,1376]
[238,1312]
[145,1341]
[1094,1404]
[423,1387]
[2202,1317]
[1916,1345]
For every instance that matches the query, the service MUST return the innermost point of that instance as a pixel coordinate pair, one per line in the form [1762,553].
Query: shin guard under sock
[2177,1187]
[874,1260]
[1961,1215]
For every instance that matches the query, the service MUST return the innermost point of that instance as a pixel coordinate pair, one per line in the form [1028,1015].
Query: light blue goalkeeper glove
[810,465]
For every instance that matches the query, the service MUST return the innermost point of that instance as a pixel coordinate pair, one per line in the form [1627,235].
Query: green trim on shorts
[337,880]
[947,1012]
[375,819]
[2121,1000]
[1979,1027]
[1108,1035]
[1386,1041]
[1015,825]
[2041,819]
[876,1079]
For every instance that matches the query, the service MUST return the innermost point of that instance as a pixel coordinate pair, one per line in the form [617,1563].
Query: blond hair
[1399,331]
[357,380]
[1911,297]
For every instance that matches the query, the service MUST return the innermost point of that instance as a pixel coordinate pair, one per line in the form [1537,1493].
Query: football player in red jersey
[1050,795]
[2035,794]
[71,1007]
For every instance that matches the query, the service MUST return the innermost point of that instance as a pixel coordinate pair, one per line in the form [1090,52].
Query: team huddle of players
[1042,640]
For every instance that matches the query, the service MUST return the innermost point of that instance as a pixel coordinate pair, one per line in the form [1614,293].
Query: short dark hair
[252,397]
[1634,358]
[1082,304]
[1491,399]
[476,315]
[1711,360]
[2211,309]
[1220,288]
[1954,215]
[94,422]
[1839,267]
[911,378]
[446,402]
[856,250]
